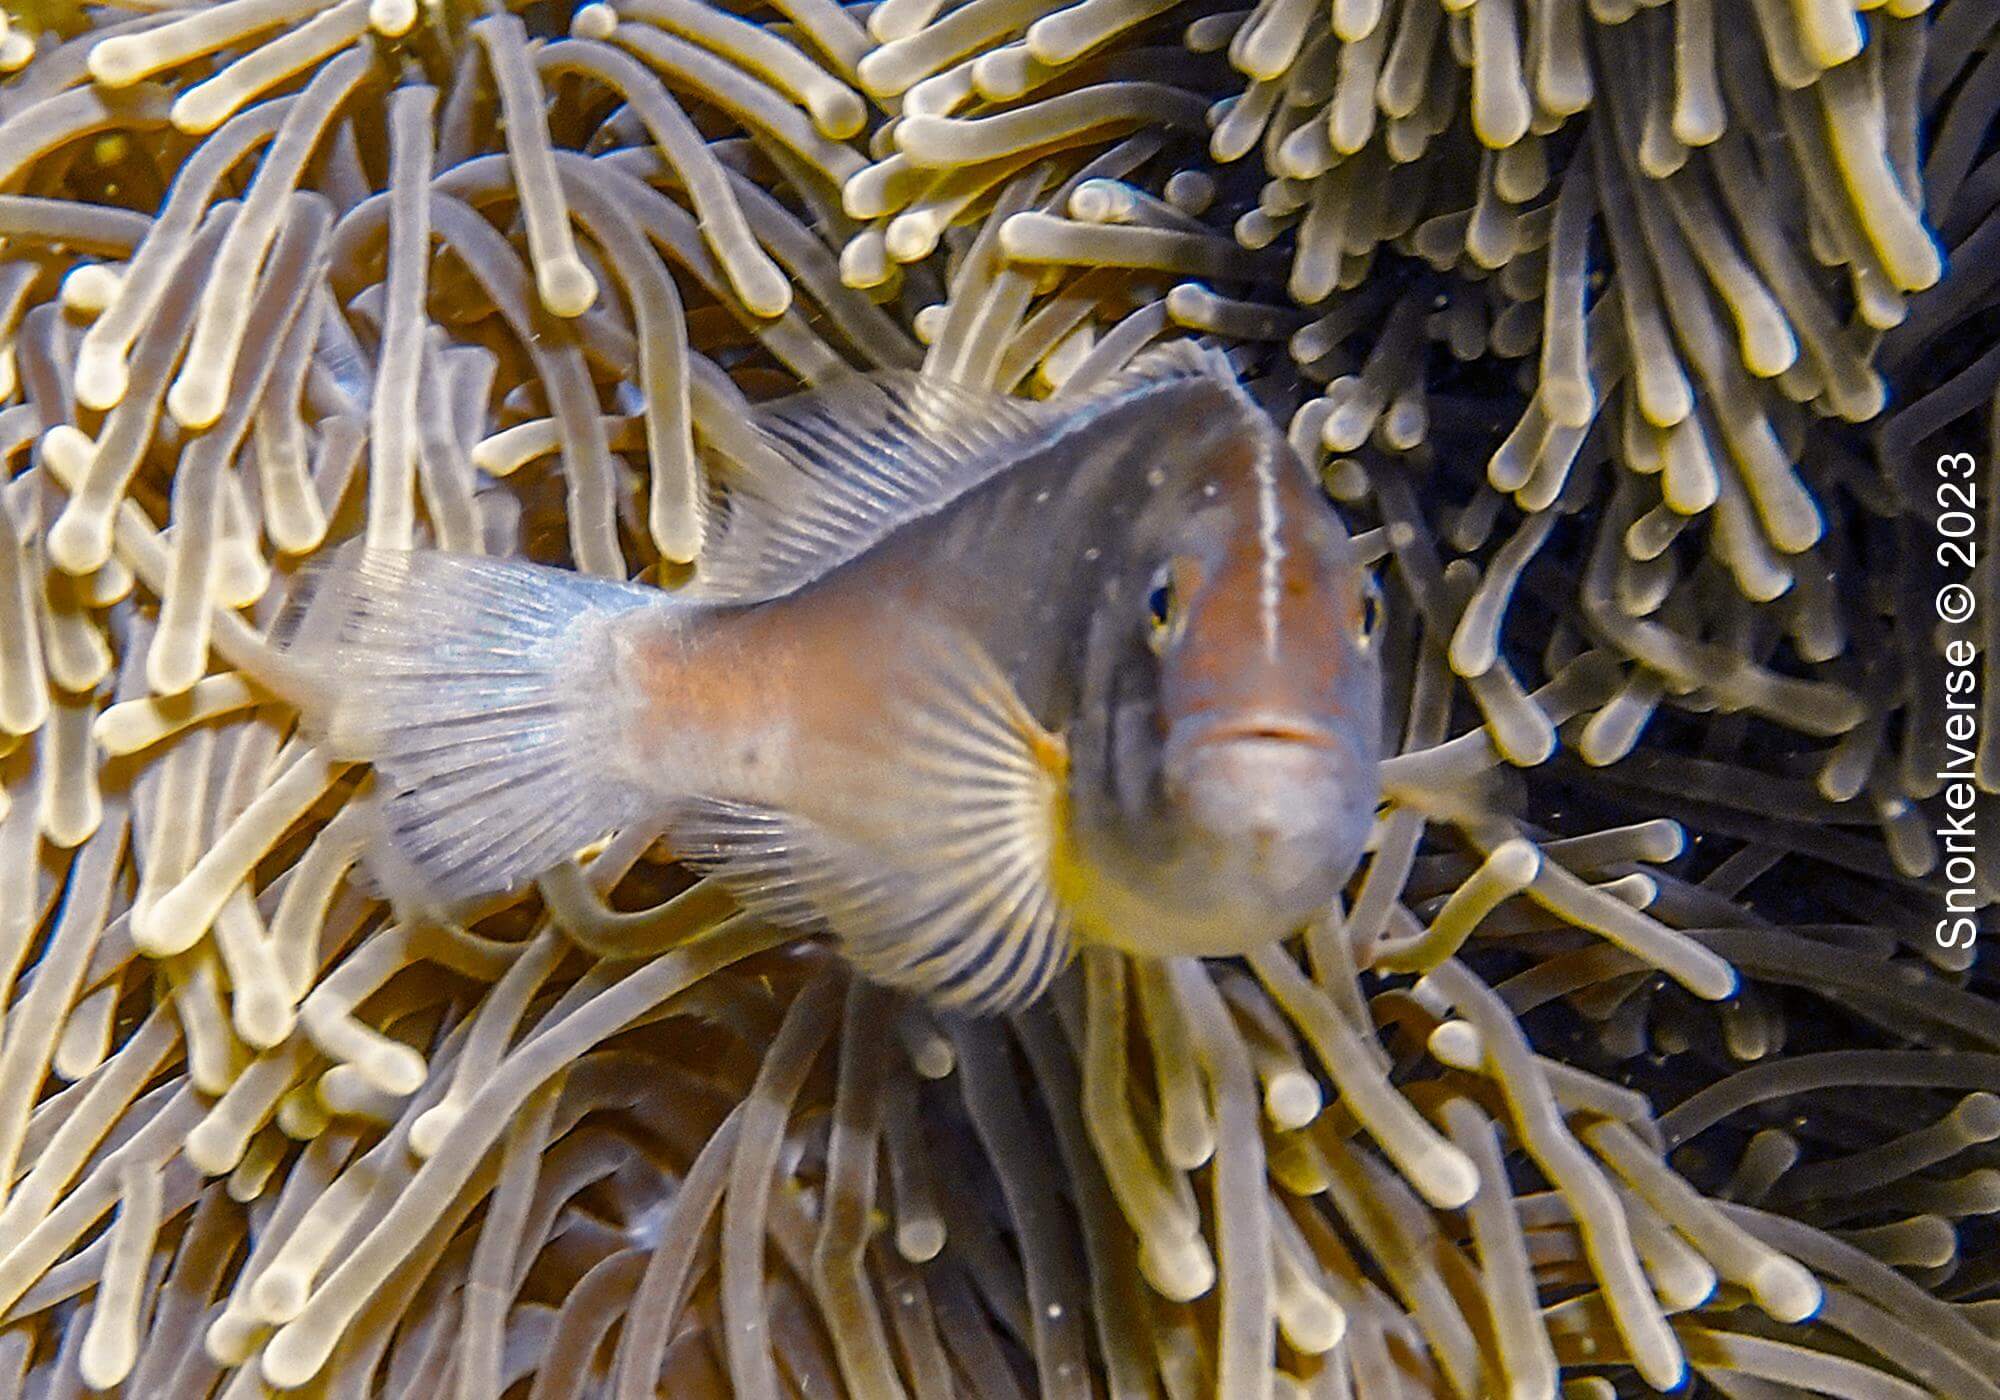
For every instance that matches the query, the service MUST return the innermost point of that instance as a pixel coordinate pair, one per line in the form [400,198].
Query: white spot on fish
[1273,552]
[1209,488]
[1156,478]
[1092,555]
[1042,497]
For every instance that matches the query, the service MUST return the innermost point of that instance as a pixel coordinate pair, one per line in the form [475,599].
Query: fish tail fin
[486,694]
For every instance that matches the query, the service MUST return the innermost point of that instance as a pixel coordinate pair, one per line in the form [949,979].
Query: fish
[965,679]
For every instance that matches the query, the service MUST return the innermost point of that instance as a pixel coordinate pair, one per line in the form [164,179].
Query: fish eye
[1371,611]
[1160,607]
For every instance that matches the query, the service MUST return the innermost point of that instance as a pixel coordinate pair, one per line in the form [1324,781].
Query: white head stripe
[1273,549]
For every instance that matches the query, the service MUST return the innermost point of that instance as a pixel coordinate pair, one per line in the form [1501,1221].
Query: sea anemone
[1629,341]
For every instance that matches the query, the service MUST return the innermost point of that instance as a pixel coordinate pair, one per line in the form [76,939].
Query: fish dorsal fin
[955,898]
[1156,365]
[854,460]
[850,462]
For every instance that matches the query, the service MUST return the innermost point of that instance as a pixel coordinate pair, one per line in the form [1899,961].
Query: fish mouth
[1267,729]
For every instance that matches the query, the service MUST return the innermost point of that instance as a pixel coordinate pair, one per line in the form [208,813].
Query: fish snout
[1290,800]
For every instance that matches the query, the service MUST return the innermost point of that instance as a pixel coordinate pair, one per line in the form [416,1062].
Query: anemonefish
[964,679]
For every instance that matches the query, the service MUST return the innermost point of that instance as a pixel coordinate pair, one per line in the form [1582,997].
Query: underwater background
[1650,349]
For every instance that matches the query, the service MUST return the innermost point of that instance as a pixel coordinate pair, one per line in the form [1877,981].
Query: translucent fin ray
[477,689]
[958,903]
[856,459]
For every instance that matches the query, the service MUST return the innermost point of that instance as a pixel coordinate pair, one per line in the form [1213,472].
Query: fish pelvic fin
[481,691]
[955,897]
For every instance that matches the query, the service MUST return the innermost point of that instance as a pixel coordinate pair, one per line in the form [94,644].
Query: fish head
[1263,625]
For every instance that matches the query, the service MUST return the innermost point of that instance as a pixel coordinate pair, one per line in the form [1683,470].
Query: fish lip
[1265,731]
[1268,729]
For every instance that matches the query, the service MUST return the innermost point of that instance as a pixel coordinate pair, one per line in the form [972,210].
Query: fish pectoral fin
[951,894]
[963,915]
[477,689]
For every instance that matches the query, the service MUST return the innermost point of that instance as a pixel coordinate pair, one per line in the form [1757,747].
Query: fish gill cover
[1629,337]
